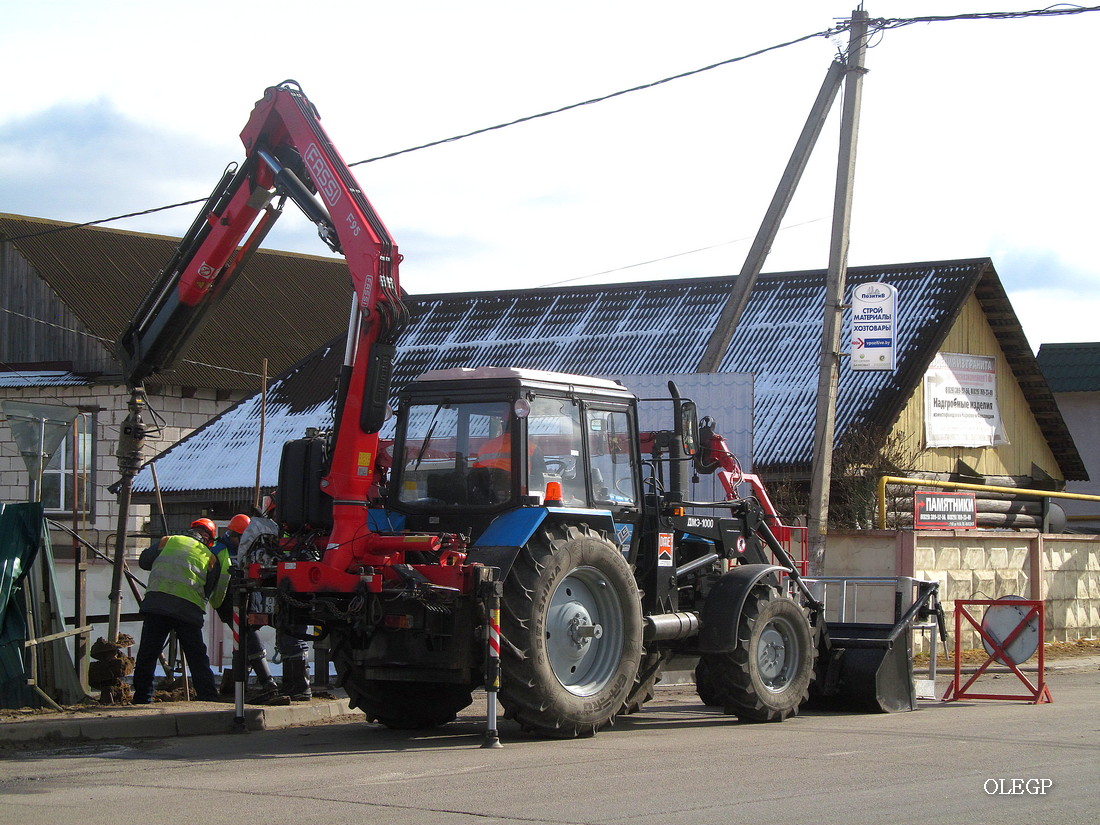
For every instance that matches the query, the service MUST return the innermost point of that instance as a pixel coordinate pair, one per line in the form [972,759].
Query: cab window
[456,454]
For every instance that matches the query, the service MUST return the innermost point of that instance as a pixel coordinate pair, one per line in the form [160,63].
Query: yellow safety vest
[224,562]
[180,570]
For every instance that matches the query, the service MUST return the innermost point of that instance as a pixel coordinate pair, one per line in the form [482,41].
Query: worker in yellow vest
[184,573]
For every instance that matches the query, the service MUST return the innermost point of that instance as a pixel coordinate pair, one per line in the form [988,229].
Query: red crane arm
[287,155]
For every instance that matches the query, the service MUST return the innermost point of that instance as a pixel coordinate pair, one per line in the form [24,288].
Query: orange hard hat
[207,525]
[239,523]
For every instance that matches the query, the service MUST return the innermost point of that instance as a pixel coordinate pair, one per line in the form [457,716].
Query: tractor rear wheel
[571,615]
[400,705]
[766,678]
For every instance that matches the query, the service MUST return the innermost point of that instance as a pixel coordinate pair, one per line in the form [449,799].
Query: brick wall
[1063,570]
[109,403]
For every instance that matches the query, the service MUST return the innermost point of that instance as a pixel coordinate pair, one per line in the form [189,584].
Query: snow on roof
[43,378]
[640,328]
[223,453]
[468,373]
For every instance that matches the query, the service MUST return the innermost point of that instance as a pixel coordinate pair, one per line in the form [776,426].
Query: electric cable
[876,25]
[110,342]
[526,119]
[672,256]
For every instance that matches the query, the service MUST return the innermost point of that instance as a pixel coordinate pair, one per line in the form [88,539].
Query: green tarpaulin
[20,537]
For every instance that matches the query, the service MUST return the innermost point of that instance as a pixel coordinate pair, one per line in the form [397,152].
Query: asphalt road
[676,763]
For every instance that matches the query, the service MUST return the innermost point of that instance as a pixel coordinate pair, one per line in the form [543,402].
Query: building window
[67,481]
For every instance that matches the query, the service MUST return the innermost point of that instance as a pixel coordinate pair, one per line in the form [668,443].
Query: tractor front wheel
[766,678]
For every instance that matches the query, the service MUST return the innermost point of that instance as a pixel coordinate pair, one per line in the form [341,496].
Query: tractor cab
[473,443]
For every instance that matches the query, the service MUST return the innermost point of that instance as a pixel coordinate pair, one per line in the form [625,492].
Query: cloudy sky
[977,138]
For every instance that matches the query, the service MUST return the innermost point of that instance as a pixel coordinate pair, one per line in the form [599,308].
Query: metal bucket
[865,667]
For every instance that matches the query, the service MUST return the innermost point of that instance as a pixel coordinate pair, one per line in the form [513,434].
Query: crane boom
[288,155]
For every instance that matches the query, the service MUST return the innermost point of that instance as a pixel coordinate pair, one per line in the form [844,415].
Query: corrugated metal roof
[223,453]
[42,378]
[283,304]
[663,328]
[1071,367]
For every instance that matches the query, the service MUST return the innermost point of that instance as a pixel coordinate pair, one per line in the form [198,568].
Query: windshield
[456,454]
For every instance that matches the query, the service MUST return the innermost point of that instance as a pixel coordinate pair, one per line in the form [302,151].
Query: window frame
[86,469]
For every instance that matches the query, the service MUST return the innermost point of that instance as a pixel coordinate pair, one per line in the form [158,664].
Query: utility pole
[829,368]
[80,564]
[131,442]
[738,298]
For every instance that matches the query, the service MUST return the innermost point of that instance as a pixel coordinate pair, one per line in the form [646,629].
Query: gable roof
[283,304]
[662,327]
[1071,367]
[23,378]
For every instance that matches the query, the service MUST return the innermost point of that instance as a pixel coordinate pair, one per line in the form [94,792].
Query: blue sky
[977,137]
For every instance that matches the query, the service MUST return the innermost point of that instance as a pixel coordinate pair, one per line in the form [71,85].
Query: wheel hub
[581,629]
[570,631]
[582,647]
[776,654]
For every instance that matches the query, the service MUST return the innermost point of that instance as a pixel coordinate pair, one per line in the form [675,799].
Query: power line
[876,25]
[110,343]
[1057,10]
[57,326]
[571,106]
[526,119]
[103,220]
[670,257]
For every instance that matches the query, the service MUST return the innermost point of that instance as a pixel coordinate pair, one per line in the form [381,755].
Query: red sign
[944,510]
[664,549]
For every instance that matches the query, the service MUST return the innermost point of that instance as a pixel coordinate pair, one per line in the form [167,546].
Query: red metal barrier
[1036,693]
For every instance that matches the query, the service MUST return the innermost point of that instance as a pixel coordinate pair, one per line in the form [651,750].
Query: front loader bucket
[865,668]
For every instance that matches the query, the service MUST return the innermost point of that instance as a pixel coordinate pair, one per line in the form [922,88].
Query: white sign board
[726,397]
[960,402]
[874,326]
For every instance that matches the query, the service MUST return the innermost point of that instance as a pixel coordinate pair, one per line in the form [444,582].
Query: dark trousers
[154,633]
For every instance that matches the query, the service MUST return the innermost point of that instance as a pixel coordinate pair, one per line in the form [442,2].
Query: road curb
[158,722]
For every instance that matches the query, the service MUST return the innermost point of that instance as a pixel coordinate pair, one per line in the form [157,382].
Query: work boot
[296,680]
[266,686]
[264,679]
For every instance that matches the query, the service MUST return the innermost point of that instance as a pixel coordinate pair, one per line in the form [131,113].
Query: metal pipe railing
[958,485]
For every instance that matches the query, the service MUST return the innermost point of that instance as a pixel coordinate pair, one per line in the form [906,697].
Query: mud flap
[862,669]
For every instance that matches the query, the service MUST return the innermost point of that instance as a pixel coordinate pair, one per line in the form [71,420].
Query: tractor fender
[499,545]
[721,611]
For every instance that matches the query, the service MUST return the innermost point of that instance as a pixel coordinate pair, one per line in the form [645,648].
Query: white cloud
[974,137]
[87,161]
